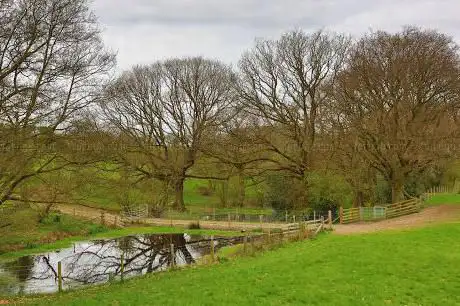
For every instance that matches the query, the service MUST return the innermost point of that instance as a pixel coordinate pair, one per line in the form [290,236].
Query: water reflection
[100,261]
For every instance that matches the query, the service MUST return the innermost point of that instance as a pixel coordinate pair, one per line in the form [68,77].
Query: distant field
[444,198]
[417,267]
[104,196]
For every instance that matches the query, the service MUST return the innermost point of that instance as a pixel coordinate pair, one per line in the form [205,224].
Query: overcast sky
[143,31]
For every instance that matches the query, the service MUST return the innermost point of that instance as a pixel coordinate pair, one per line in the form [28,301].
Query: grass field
[101,195]
[444,198]
[417,267]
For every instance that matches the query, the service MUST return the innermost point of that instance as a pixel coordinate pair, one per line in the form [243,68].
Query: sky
[144,31]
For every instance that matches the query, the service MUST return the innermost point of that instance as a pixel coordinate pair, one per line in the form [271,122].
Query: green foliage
[361,268]
[328,191]
[285,193]
[382,191]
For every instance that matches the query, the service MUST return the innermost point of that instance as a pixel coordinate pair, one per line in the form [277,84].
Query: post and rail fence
[413,205]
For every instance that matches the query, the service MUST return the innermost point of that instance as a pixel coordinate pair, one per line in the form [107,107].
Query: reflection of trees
[143,254]
[102,259]
[21,268]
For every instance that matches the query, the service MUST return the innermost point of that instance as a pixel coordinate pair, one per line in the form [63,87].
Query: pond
[100,261]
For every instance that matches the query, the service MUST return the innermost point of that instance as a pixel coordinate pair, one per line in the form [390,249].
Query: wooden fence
[357,214]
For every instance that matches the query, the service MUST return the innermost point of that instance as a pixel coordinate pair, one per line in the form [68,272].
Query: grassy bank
[25,229]
[398,268]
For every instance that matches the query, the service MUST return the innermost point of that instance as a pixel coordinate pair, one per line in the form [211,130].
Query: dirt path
[219,225]
[111,218]
[428,215]
[88,213]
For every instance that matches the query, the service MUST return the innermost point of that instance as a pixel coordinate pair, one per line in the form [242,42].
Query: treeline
[381,108]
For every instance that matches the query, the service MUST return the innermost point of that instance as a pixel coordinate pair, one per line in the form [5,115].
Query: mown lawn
[416,267]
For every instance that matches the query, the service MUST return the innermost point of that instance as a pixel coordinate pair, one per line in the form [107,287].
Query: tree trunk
[359,199]
[397,191]
[179,194]
[223,193]
[241,188]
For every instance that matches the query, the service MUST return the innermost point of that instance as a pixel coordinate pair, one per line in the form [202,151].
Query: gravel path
[435,214]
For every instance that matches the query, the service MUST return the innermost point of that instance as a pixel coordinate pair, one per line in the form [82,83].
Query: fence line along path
[356,214]
[413,205]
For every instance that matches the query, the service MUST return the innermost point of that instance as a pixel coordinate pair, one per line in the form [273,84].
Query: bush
[204,191]
[194,225]
[156,211]
[327,191]
[285,193]
[382,191]
[51,218]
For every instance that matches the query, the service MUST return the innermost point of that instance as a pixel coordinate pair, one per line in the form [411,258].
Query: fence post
[286,216]
[269,236]
[329,218]
[172,255]
[341,214]
[300,231]
[293,219]
[314,215]
[260,219]
[122,265]
[59,276]
[245,244]
[214,213]
[212,249]
[228,219]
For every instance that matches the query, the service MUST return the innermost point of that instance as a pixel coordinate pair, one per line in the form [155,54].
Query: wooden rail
[357,214]
[349,215]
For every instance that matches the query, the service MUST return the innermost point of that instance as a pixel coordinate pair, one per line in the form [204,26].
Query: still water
[100,261]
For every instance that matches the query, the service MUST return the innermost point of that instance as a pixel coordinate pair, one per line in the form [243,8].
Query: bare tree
[395,95]
[164,110]
[282,85]
[52,66]
[235,152]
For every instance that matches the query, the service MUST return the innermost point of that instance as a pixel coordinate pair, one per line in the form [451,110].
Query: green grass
[444,198]
[417,267]
[26,232]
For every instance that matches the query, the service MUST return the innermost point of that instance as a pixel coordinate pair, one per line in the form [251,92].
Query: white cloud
[143,31]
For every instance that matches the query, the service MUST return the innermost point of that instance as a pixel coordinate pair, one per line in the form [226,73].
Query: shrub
[204,191]
[51,218]
[285,193]
[194,225]
[327,191]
